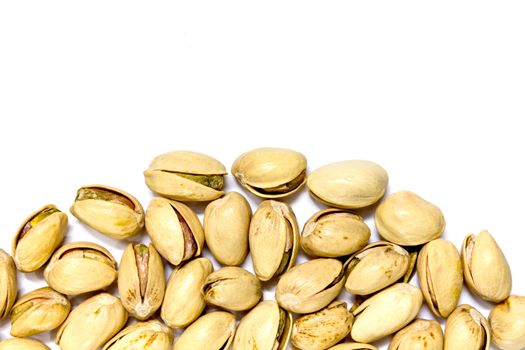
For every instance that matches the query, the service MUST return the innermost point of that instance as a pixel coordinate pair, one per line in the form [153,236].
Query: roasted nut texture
[8,285]
[467,329]
[151,335]
[213,331]
[507,322]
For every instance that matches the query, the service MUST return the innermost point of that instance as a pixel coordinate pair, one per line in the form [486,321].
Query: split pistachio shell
[175,230]
[419,335]
[350,184]
[270,172]
[386,312]
[406,219]
[141,280]
[334,232]
[183,301]
[232,288]
[213,331]
[507,321]
[310,286]
[8,288]
[320,330]
[38,311]
[266,327]
[186,176]
[274,239]
[440,276]
[108,210]
[38,237]
[467,329]
[226,225]
[151,335]
[353,346]
[80,267]
[375,267]
[92,323]
[22,344]
[486,269]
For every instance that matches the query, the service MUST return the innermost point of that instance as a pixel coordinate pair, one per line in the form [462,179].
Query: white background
[91,91]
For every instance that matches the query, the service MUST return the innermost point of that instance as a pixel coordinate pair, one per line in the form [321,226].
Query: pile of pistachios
[308,311]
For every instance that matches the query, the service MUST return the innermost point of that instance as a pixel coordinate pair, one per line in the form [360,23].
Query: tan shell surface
[188,162]
[466,328]
[213,331]
[419,335]
[150,335]
[8,283]
[22,344]
[507,322]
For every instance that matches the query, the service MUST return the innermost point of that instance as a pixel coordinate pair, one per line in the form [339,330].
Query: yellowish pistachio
[420,334]
[507,322]
[151,335]
[213,331]
[8,285]
[22,344]
[467,329]
[353,346]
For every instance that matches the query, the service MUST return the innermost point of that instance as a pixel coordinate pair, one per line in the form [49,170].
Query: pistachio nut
[108,210]
[151,335]
[174,229]
[92,323]
[486,269]
[322,329]
[375,267]
[274,239]
[141,280]
[38,237]
[350,184]
[226,225]
[38,311]
[8,288]
[310,286]
[186,176]
[22,344]
[386,312]
[440,276]
[420,334]
[507,321]
[332,233]
[183,301]
[80,267]
[232,288]
[353,346]
[213,331]
[406,219]
[466,329]
[265,327]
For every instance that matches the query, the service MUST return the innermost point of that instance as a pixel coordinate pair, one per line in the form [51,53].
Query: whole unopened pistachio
[141,280]
[386,312]
[232,288]
[22,344]
[507,322]
[274,239]
[322,329]
[420,334]
[174,229]
[270,172]
[108,210]
[92,323]
[310,286]
[486,269]
[38,311]
[440,276]
[406,219]
[151,335]
[38,237]
[350,184]
[226,225]
[183,301]
[80,267]
[334,232]
[186,176]
[265,327]
[213,331]
[375,267]
[353,346]
[466,329]
[8,288]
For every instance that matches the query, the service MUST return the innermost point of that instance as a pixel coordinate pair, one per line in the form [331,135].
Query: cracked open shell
[507,322]
[22,344]
[213,331]
[419,335]
[151,335]
[8,285]
[467,329]
[353,346]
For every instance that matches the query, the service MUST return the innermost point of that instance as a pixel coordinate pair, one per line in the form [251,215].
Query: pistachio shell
[22,344]
[419,335]
[213,331]
[151,335]
[310,286]
[108,210]
[466,329]
[353,346]
[174,229]
[350,184]
[183,301]
[507,321]
[8,289]
[334,232]
[487,272]
[38,237]
[80,267]
[273,238]
[406,219]
[226,225]
[386,312]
